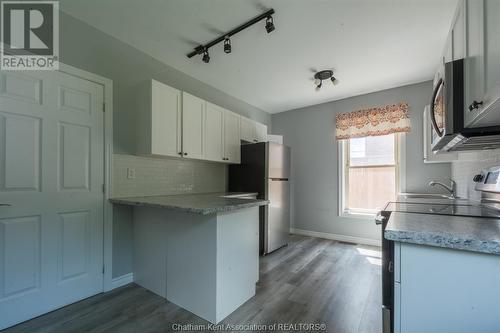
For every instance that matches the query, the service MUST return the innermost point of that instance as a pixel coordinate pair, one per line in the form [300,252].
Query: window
[369,173]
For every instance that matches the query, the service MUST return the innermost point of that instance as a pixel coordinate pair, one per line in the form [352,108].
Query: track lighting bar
[203,49]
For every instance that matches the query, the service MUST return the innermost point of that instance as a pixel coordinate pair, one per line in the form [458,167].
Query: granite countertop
[455,232]
[204,204]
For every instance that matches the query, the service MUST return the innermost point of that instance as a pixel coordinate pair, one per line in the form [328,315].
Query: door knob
[475,105]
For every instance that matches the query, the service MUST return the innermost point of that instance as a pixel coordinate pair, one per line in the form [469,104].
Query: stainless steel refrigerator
[265,169]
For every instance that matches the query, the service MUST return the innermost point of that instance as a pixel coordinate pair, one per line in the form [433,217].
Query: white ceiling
[371,44]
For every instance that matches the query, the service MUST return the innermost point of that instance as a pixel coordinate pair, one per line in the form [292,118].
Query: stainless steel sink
[427,196]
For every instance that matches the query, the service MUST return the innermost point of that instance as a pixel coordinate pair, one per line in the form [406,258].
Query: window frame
[343,158]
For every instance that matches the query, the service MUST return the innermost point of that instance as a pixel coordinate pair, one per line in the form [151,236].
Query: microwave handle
[432,115]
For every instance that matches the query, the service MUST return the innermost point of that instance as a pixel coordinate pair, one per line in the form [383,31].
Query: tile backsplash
[468,165]
[154,176]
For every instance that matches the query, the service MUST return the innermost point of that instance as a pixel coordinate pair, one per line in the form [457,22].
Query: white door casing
[51,173]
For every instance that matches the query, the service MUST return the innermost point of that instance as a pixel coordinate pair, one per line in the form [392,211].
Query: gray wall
[87,48]
[310,133]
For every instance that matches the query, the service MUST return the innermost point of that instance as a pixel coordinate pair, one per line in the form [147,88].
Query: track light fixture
[269,24]
[206,57]
[227,45]
[203,49]
[319,77]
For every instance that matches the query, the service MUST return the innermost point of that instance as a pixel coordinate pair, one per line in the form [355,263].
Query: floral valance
[373,122]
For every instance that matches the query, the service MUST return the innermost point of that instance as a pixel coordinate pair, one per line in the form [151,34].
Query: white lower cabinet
[446,290]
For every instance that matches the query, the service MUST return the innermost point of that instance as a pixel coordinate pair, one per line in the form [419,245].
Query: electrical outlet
[130,173]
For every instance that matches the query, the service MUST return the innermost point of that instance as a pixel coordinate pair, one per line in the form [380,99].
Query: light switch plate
[130,173]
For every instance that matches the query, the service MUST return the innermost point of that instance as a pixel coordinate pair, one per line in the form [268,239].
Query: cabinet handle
[5,204]
[185,154]
[475,105]
[180,153]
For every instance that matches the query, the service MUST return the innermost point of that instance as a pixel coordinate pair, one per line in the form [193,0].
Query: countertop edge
[443,240]
[200,211]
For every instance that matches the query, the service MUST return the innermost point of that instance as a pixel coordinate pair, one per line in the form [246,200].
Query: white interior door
[51,174]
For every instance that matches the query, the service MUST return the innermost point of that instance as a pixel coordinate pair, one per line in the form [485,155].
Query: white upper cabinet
[175,123]
[252,131]
[214,150]
[232,151]
[482,58]
[193,122]
[159,120]
[260,132]
[247,129]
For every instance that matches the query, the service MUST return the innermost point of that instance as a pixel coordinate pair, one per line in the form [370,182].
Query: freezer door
[278,218]
[279,161]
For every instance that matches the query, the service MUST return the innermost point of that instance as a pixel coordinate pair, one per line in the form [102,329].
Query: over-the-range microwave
[447,114]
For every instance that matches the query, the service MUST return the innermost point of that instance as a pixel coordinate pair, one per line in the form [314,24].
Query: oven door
[387,275]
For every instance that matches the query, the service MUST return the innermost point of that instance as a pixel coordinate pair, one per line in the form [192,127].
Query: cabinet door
[492,52]
[213,133]
[474,61]
[247,129]
[232,151]
[458,32]
[193,112]
[260,132]
[165,120]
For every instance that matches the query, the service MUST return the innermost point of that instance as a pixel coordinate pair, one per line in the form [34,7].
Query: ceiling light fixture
[320,76]
[227,45]
[206,57]
[269,24]
[203,49]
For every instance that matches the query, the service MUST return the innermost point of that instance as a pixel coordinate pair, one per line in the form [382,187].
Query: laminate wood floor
[311,281]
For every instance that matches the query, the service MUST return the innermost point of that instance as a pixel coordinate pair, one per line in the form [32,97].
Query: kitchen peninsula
[199,251]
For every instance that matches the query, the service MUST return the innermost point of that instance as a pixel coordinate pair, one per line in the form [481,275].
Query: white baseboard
[337,237]
[122,280]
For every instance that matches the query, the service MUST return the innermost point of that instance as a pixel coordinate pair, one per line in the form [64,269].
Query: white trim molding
[337,237]
[120,281]
[108,165]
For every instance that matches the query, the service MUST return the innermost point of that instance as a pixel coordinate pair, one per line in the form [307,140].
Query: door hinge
[103,189]
[103,269]
[103,107]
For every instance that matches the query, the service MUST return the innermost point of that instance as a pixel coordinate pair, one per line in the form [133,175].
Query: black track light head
[269,24]
[227,45]
[206,57]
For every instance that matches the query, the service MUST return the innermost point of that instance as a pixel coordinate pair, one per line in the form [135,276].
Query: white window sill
[358,215]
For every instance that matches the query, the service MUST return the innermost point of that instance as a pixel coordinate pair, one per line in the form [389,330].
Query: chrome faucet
[452,188]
